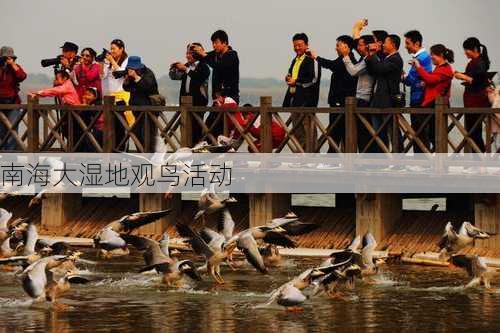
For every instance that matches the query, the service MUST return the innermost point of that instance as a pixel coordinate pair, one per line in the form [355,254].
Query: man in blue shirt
[413,44]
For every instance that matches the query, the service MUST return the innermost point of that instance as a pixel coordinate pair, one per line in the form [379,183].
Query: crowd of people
[376,78]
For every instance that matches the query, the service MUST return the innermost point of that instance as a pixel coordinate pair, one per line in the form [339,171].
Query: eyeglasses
[86,55]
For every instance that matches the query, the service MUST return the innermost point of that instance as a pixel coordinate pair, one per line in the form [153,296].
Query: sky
[260,30]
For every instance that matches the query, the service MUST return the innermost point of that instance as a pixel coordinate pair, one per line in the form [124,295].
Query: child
[91,97]
[64,89]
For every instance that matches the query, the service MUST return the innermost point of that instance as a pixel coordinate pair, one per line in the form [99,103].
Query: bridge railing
[350,129]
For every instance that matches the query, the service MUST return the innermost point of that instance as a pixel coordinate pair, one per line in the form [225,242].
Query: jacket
[9,82]
[226,73]
[307,85]
[437,83]
[87,77]
[414,81]
[142,89]
[387,75]
[342,83]
[198,83]
[65,92]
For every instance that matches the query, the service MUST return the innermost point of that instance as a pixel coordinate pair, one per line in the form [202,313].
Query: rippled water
[403,298]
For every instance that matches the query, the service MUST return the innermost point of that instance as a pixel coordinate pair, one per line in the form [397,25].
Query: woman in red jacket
[437,83]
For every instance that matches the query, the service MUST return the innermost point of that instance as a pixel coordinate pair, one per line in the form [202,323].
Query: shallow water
[402,298]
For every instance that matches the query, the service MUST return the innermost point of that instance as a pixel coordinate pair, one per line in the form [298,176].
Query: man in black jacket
[303,80]
[141,83]
[387,73]
[226,73]
[194,82]
[342,85]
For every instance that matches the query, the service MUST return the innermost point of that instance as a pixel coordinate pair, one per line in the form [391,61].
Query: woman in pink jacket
[87,73]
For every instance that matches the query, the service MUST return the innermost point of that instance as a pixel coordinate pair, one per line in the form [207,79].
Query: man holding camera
[69,56]
[387,73]
[194,82]
[11,75]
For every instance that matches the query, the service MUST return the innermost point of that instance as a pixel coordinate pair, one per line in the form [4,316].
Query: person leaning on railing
[475,80]
[11,75]
[438,82]
[63,89]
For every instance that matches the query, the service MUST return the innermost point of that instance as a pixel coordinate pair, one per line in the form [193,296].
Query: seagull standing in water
[452,242]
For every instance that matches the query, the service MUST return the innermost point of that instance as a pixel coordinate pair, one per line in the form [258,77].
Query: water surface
[403,298]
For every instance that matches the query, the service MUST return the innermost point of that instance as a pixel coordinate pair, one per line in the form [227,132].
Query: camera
[101,57]
[3,60]
[56,62]
[119,74]
[51,61]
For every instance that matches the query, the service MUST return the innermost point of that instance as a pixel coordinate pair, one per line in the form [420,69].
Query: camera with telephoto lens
[56,62]
[119,74]
[51,61]
[101,57]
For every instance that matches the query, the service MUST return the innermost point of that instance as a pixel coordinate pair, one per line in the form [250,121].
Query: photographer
[11,75]
[69,56]
[140,81]
[86,73]
[194,82]
[113,63]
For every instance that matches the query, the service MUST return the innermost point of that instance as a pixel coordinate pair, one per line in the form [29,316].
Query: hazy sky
[260,30]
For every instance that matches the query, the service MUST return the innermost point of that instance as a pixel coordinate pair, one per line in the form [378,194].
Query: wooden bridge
[56,128]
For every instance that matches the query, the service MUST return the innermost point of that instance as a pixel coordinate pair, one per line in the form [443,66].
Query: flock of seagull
[47,269]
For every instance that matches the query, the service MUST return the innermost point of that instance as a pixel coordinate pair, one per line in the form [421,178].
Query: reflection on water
[402,298]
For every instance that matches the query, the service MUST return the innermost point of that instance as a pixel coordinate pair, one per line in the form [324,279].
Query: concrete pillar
[265,206]
[377,213]
[156,201]
[487,218]
[59,209]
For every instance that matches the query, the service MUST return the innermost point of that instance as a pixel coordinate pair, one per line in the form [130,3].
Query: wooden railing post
[266,118]
[441,131]
[309,131]
[33,125]
[186,122]
[108,136]
[351,133]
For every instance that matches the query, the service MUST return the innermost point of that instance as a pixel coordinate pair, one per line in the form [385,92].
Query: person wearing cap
[140,82]
[69,56]
[11,75]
